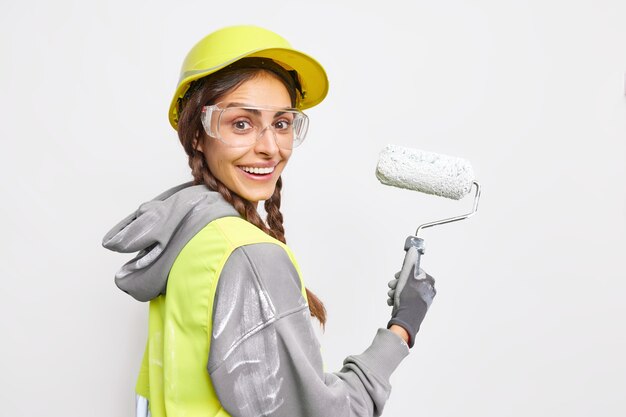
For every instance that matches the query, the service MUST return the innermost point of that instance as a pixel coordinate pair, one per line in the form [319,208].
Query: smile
[257,170]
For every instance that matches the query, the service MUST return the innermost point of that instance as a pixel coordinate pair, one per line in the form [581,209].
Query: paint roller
[430,173]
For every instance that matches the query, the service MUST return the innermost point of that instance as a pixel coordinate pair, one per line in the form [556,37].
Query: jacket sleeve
[265,359]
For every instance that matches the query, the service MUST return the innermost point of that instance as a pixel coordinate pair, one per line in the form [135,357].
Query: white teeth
[257,170]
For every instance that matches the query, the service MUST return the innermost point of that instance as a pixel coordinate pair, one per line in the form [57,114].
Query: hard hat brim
[312,77]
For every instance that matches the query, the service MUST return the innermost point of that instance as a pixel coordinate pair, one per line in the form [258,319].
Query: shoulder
[219,237]
[231,231]
[263,275]
[266,266]
[258,285]
[231,246]
[241,241]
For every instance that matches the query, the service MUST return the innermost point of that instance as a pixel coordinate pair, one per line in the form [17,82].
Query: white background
[529,318]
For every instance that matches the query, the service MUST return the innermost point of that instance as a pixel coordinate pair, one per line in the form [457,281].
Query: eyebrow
[255,111]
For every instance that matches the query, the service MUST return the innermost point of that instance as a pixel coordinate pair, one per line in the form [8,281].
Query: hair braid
[276,229]
[274,216]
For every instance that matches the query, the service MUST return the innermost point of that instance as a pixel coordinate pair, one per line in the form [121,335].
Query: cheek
[220,157]
[212,163]
[285,154]
[214,157]
[210,155]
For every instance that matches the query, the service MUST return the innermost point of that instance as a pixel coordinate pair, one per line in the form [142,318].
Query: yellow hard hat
[225,46]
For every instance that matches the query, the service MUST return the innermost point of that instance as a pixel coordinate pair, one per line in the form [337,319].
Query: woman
[229,327]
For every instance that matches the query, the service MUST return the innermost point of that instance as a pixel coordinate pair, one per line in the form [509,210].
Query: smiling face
[251,172]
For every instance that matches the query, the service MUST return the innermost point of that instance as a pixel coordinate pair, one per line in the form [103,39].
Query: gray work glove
[411,294]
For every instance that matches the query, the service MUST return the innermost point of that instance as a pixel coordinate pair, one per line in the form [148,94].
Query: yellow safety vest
[173,375]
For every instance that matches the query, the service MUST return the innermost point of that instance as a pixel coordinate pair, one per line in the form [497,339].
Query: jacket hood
[158,230]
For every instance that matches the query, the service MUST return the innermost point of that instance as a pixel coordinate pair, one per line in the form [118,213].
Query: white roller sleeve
[427,172]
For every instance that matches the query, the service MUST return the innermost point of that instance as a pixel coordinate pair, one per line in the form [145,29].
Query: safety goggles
[240,125]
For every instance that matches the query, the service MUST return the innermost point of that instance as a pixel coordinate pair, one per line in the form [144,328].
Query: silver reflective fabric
[265,358]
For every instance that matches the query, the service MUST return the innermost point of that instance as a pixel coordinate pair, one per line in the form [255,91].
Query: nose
[266,142]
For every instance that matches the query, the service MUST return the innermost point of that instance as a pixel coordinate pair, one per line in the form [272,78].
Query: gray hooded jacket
[264,358]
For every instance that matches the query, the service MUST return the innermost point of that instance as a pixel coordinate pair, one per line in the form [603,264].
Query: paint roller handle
[412,291]
[414,248]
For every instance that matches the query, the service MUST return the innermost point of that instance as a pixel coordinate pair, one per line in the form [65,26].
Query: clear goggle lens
[243,125]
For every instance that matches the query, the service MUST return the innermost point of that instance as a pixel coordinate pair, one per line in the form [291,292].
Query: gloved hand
[411,294]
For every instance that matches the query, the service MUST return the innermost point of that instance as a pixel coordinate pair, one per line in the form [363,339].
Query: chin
[257,196]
